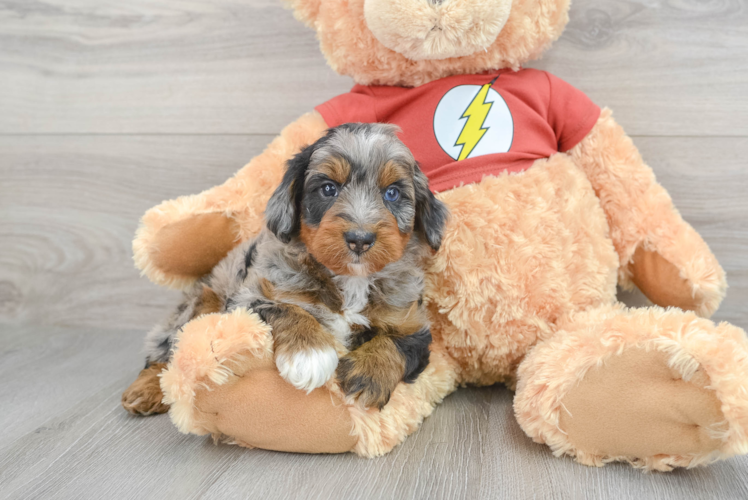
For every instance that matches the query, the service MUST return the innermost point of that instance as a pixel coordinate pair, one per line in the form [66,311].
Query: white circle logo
[473,120]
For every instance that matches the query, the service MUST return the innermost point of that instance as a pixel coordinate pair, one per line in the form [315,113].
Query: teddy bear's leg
[659,252]
[182,239]
[656,388]
[222,380]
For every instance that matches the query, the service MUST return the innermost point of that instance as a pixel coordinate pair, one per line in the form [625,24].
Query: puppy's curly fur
[339,269]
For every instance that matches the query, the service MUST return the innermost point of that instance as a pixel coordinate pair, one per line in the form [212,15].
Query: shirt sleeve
[571,114]
[353,107]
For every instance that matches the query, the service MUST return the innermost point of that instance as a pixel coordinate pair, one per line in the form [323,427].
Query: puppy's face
[354,198]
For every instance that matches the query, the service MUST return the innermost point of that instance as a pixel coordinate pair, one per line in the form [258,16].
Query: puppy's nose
[359,241]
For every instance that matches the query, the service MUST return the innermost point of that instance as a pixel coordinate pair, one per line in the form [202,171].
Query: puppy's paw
[369,383]
[144,396]
[307,369]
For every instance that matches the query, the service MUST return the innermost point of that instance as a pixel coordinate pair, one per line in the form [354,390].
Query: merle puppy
[339,270]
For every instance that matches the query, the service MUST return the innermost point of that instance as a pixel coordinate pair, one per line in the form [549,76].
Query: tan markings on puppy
[328,293]
[357,329]
[389,246]
[144,396]
[336,168]
[210,302]
[307,235]
[397,322]
[295,330]
[326,242]
[371,373]
[392,172]
[267,289]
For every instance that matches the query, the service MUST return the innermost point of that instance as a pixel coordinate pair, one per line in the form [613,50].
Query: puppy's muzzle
[359,241]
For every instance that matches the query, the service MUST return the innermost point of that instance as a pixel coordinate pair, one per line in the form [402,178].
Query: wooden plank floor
[107,108]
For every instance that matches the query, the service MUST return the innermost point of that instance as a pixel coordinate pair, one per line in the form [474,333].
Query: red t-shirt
[462,128]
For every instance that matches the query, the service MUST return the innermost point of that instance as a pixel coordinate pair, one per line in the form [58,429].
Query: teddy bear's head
[411,42]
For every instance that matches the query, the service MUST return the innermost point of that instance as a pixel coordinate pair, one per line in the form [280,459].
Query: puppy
[338,269]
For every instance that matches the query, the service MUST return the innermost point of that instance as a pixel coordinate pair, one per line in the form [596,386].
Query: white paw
[307,370]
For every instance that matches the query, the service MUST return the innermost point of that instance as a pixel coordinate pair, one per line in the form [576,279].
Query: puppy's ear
[283,211]
[431,214]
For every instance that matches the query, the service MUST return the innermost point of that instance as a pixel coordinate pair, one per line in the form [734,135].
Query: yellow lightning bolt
[473,130]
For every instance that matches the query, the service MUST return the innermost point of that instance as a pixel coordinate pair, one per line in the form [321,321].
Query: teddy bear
[551,207]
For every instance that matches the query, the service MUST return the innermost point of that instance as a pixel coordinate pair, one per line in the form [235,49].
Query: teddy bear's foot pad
[193,246]
[635,405]
[261,410]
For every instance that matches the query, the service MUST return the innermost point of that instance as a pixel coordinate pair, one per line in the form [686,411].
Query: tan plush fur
[436,30]
[486,305]
[213,348]
[352,49]
[522,290]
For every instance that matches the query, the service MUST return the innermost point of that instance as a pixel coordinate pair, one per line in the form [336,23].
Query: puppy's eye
[329,189]
[392,194]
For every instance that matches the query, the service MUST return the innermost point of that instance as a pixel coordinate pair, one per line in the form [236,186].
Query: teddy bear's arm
[182,239]
[659,252]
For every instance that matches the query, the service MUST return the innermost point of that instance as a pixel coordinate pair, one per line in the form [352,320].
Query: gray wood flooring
[108,107]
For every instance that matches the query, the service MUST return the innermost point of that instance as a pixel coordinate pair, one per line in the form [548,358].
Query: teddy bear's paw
[643,404]
[144,396]
[307,369]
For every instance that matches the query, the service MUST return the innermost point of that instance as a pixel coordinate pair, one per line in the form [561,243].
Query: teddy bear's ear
[304,10]
[431,214]
[283,211]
